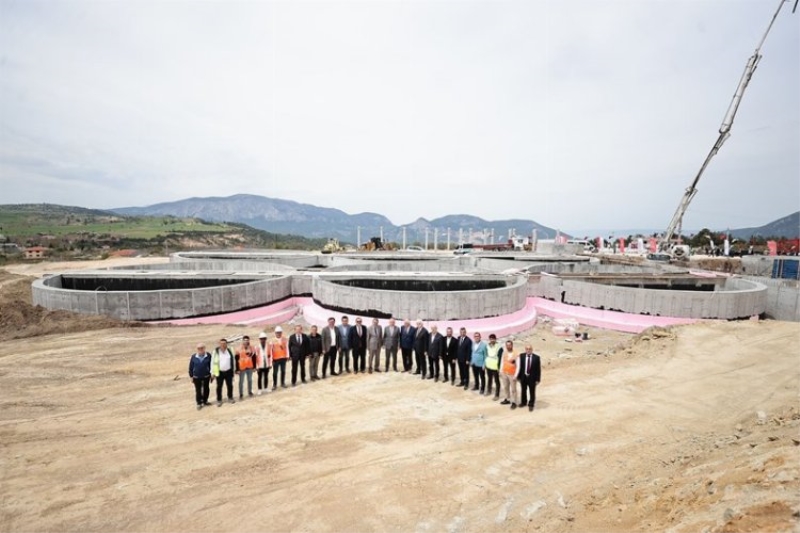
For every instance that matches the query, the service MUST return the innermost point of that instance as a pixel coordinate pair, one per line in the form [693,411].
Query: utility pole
[426,237]
[358,236]
[404,237]
[448,239]
[436,238]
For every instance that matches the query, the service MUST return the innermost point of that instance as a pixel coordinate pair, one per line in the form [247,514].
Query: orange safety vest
[509,363]
[279,348]
[245,358]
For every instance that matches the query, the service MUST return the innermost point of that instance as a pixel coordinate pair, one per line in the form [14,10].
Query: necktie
[528,372]
[298,339]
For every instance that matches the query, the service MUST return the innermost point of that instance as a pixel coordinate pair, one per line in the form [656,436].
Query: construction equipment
[665,244]
[375,243]
[332,246]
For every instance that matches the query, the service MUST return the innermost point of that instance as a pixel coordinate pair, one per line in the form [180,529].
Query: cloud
[587,114]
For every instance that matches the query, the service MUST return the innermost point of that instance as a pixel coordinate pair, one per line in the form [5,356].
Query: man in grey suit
[331,340]
[374,343]
[391,342]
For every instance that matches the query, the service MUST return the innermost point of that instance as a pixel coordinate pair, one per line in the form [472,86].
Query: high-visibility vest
[262,356]
[279,348]
[509,363]
[493,356]
[245,358]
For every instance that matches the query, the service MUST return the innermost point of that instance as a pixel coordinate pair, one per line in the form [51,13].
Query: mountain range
[289,217]
[286,216]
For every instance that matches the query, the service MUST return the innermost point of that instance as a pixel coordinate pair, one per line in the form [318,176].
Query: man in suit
[391,342]
[374,343]
[344,345]
[358,343]
[464,353]
[449,357]
[529,374]
[407,335]
[330,345]
[421,341]
[298,349]
[435,352]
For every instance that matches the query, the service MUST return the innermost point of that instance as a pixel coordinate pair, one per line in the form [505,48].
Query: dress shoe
[370,371]
[513,406]
[530,408]
[505,402]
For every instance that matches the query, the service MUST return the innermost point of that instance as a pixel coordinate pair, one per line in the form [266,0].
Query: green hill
[68,229]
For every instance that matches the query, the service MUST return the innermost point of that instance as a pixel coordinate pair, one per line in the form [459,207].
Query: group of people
[426,353]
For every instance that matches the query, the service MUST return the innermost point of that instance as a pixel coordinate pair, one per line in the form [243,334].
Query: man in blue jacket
[200,373]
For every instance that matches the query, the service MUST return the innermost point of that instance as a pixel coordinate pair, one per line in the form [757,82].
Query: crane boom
[724,132]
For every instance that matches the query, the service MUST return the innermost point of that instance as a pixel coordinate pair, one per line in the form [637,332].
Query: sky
[579,114]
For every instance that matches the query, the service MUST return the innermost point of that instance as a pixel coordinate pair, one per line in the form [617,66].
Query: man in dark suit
[331,339]
[464,352]
[407,335]
[298,349]
[450,357]
[344,345]
[358,343]
[529,374]
[435,352]
[421,342]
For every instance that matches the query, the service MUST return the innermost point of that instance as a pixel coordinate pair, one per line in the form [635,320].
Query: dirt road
[99,432]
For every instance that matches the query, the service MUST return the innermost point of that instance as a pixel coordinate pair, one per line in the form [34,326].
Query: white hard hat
[278,329]
[262,335]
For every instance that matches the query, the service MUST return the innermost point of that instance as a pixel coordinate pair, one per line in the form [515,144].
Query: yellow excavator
[332,246]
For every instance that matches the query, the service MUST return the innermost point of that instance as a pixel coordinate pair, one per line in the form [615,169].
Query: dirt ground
[689,429]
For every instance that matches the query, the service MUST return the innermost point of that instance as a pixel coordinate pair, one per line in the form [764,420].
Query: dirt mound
[20,319]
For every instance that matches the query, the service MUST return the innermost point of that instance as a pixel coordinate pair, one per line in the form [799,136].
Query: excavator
[666,244]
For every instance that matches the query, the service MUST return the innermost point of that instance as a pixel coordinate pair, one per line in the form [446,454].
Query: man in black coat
[529,374]
[450,357]
[298,349]
[435,352]
[421,342]
[358,343]
[464,352]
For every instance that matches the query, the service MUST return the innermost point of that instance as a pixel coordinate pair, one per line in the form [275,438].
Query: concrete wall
[190,265]
[783,297]
[157,305]
[296,260]
[452,305]
[739,299]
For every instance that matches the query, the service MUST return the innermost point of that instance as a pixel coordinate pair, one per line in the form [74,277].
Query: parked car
[413,249]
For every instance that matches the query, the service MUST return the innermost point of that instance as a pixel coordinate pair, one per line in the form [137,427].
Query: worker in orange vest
[245,363]
[279,351]
[508,375]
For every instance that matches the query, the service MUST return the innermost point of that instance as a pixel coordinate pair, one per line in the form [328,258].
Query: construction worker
[508,375]
[263,363]
[245,362]
[279,352]
[493,353]
[223,366]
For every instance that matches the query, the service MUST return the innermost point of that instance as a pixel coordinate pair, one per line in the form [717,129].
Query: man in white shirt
[223,366]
